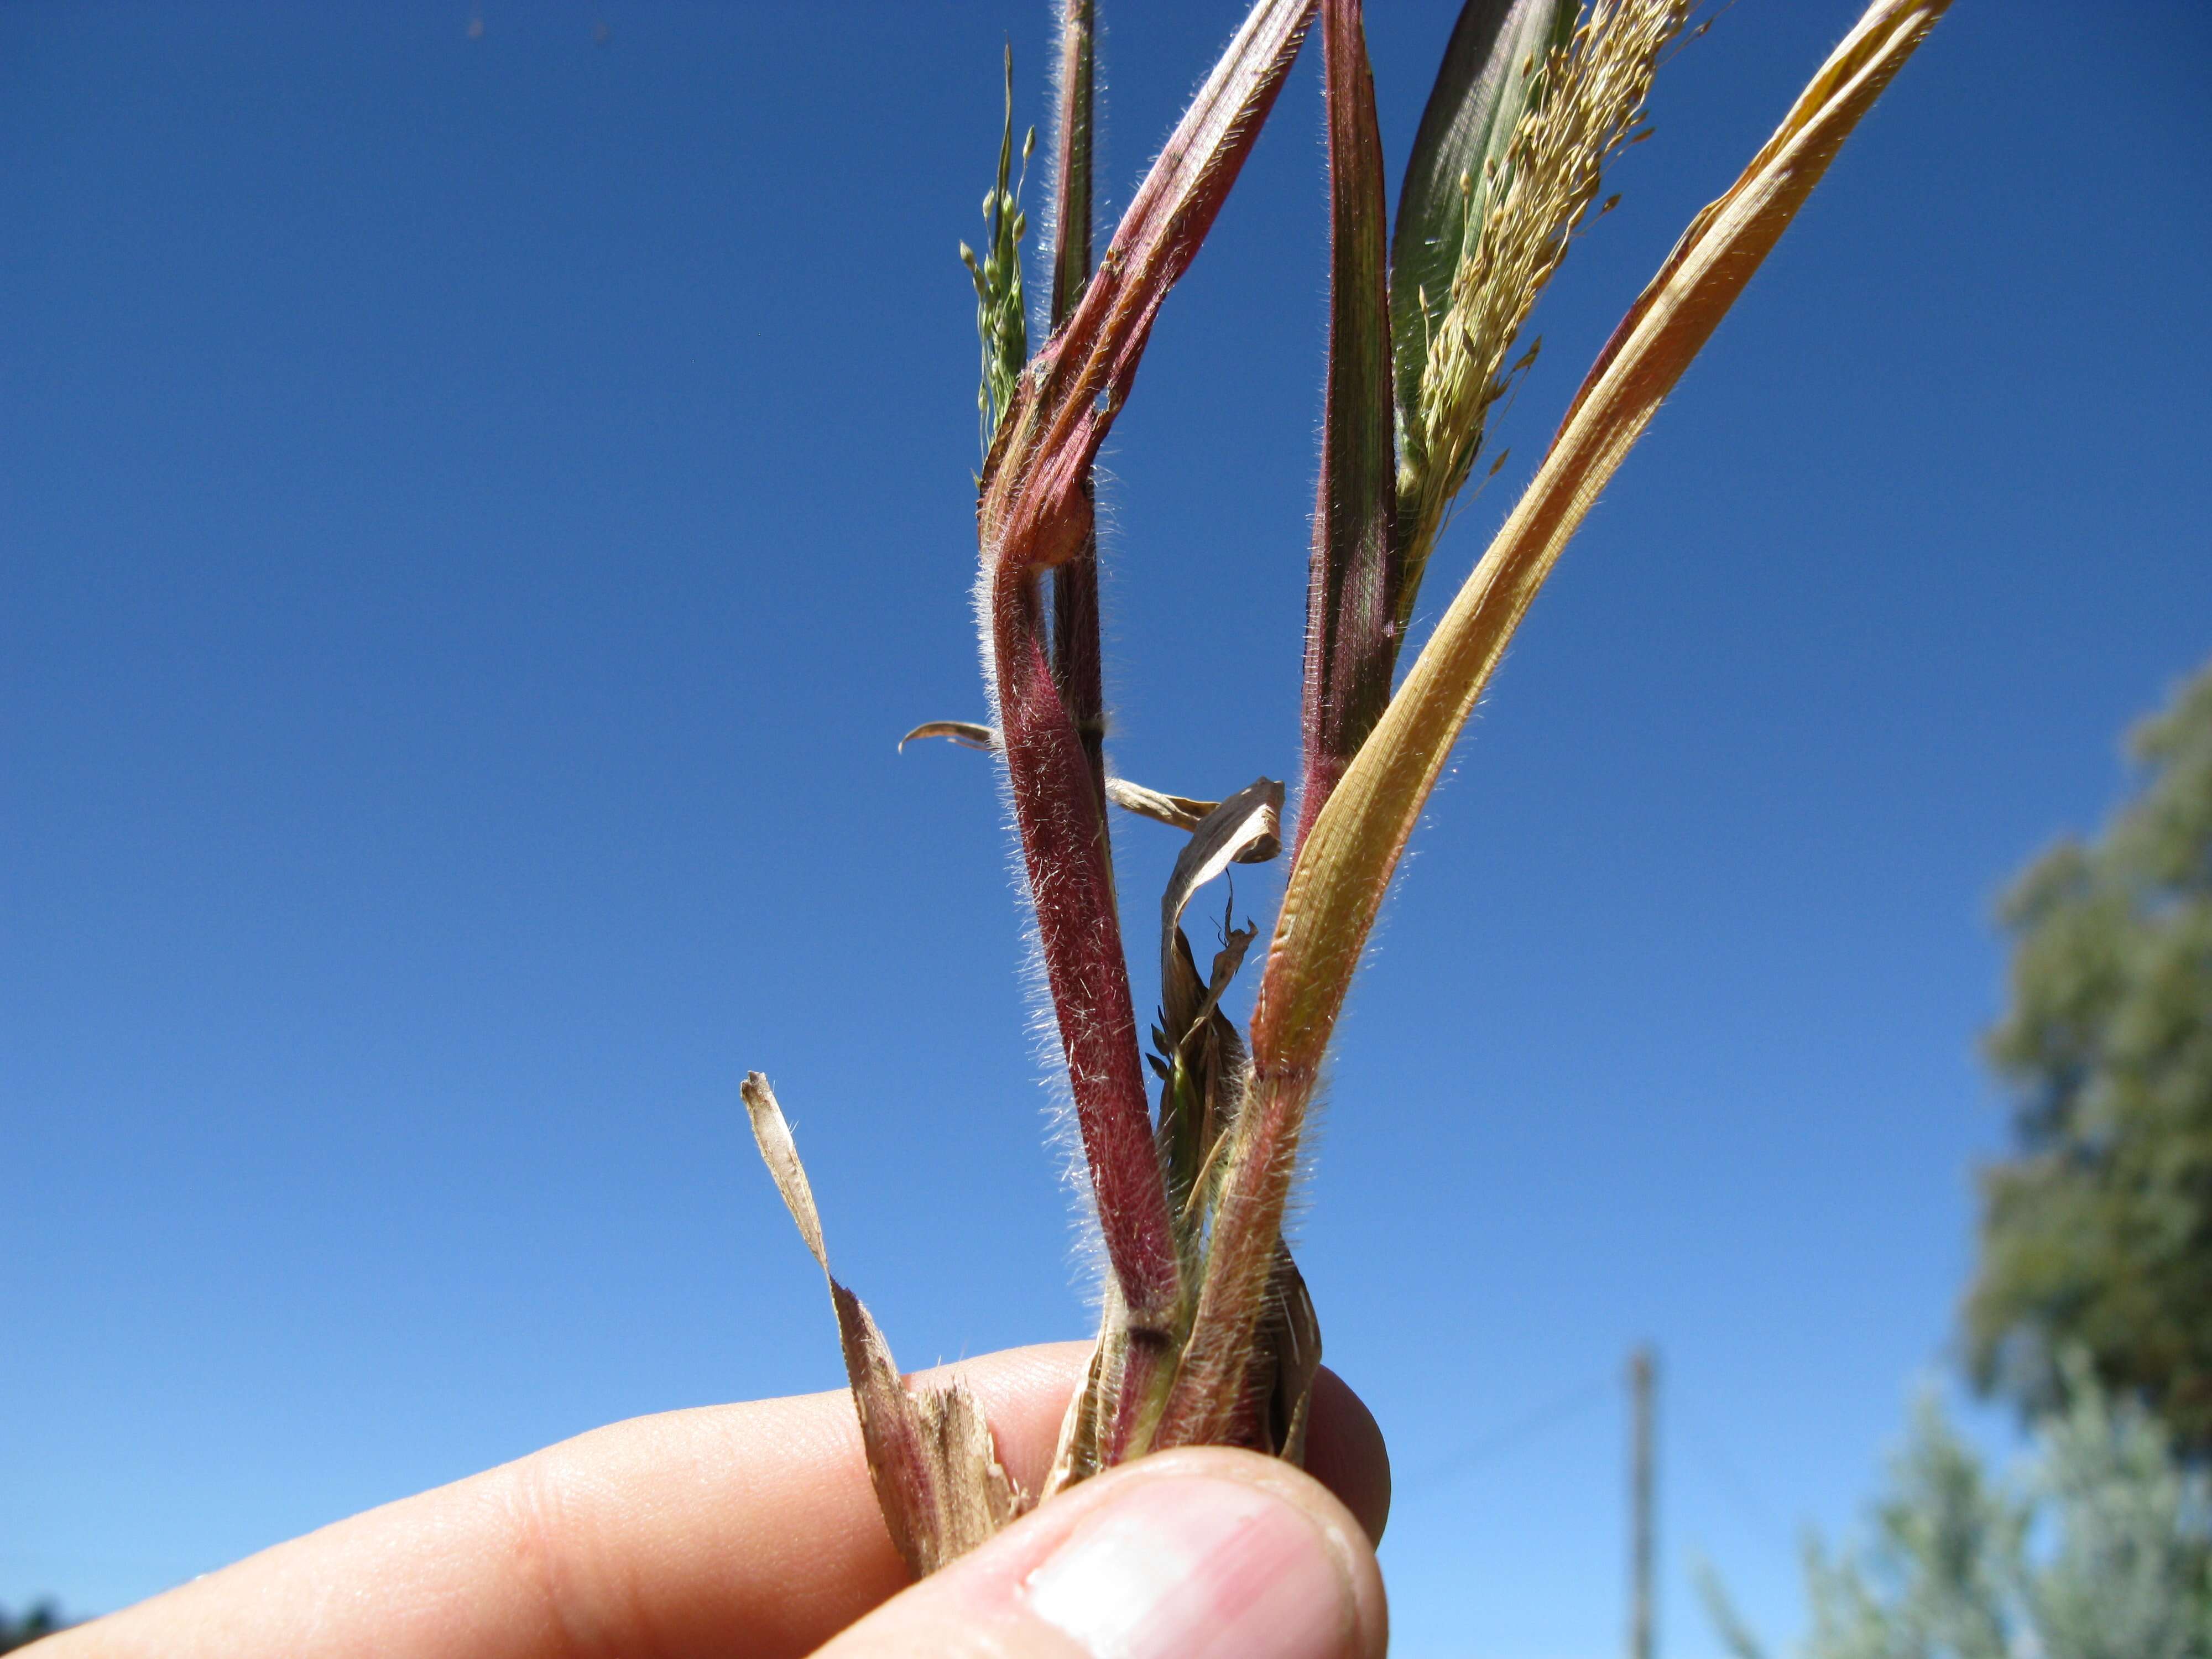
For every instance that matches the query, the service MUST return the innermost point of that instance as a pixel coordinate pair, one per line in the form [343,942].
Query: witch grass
[1207,1334]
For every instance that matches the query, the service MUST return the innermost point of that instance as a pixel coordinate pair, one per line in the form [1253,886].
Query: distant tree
[2103,1552]
[43,1619]
[2098,1236]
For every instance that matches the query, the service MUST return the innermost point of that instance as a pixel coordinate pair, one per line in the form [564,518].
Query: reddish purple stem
[1076,654]
[1071,884]
[1034,516]
[1352,589]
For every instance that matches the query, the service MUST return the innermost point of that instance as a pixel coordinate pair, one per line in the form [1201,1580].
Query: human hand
[751,1529]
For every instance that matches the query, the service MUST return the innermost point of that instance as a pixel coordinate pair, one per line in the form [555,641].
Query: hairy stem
[1076,651]
[1351,589]
[1034,514]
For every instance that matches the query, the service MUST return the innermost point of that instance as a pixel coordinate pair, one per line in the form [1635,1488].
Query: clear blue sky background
[476,514]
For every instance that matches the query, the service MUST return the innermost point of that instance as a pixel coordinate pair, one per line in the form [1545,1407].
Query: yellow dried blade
[1338,885]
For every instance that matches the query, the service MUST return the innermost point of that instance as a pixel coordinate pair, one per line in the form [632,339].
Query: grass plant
[1207,1334]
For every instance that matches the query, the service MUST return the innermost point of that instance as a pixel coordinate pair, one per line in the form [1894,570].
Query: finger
[1194,1554]
[670,1534]
[667,1535]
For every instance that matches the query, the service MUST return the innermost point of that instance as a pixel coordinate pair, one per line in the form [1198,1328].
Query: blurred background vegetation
[2091,1306]
[2098,1236]
[41,1621]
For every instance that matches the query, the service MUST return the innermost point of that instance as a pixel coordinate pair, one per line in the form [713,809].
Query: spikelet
[1515,231]
[1001,314]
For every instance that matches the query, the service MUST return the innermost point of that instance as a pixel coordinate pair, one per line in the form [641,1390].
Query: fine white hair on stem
[1063,1127]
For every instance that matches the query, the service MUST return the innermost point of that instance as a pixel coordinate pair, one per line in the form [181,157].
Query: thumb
[1180,1555]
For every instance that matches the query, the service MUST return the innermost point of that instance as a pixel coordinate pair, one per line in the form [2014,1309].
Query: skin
[751,1529]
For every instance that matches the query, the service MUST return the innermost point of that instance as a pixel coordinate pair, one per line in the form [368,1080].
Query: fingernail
[1191,1567]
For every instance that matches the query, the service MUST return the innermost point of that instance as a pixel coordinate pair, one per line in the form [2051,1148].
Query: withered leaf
[1201,1058]
[936,1472]
[967,733]
[1246,827]
[1184,812]
[1082,1450]
[1285,1357]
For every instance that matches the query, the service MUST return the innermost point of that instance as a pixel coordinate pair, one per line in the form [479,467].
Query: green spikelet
[1000,317]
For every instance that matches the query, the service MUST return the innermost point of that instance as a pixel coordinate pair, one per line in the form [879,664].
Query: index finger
[751,1527]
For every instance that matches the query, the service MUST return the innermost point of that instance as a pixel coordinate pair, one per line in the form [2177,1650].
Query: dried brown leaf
[1178,811]
[1245,828]
[1285,1359]
[967,733]
[936,1472]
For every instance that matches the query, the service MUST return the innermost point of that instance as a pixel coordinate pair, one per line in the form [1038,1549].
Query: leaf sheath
[1352,588]
[1076,652]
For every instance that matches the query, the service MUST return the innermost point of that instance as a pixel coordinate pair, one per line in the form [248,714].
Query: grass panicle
[1483,89]
[1586,100]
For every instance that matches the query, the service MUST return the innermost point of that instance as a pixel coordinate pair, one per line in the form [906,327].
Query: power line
[1555,1410]
[1725,1479]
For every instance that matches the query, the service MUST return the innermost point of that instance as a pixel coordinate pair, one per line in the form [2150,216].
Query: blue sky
[477,512]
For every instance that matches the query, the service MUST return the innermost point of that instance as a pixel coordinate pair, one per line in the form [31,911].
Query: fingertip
[1025,1394]
[1192,1553]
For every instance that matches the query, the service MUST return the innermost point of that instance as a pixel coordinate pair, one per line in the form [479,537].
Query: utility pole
[1643,1376]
